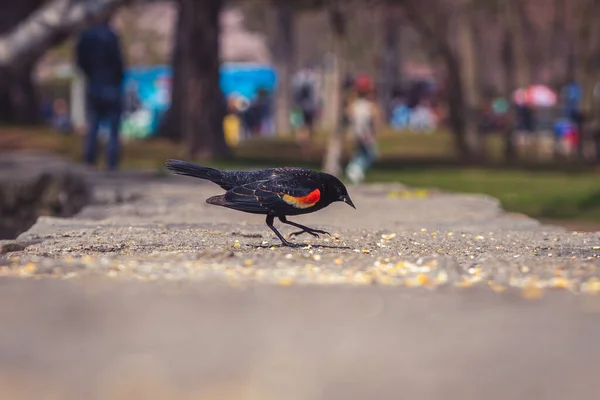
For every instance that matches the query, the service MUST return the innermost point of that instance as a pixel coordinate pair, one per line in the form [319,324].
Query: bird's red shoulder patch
[305,201]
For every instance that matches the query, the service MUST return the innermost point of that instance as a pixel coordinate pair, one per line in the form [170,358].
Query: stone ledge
[32,185]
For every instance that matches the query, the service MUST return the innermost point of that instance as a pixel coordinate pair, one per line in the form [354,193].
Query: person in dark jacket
[98,54]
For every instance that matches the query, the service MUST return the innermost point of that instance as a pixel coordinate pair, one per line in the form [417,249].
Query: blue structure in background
[148,92]
[246,79]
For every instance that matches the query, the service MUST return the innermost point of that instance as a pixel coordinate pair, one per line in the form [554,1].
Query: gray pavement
[152,293]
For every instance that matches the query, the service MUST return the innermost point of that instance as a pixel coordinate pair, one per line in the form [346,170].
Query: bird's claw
[298,233]
[314,232]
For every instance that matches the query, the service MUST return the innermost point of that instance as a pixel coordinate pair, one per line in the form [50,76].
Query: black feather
[198,171]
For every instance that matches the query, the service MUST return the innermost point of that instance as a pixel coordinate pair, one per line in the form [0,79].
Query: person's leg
[356,168]
[113,150]
[304,134]
[370,155]
[90,142]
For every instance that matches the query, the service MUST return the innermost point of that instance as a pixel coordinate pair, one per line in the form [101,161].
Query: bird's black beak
[346,199]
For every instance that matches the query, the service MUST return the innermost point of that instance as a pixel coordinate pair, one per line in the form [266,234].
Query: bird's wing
[280,195]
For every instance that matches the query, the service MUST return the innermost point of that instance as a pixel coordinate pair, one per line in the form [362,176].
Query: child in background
[61,120]
[364,120]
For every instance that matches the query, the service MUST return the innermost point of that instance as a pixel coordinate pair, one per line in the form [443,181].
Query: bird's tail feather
[197,171]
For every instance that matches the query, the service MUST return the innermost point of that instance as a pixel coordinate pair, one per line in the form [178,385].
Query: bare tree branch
[47,26]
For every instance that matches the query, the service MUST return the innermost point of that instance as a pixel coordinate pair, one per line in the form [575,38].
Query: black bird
[274,192]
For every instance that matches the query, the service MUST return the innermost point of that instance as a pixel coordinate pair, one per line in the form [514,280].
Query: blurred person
[46,107]
[98,55]
[365,119]
[231,123]
[571,98]
[264,104]
[348,96]
[399,110]
[61,120]
[253,117]
[525,118]
[500,110]
[422,119]
[306,101]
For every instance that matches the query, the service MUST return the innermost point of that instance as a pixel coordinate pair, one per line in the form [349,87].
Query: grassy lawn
[550,195]
[572,195]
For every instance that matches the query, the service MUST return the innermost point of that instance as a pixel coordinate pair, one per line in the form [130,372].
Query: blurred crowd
[534,112]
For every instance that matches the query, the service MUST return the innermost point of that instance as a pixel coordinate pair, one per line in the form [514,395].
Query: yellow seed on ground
[31,268]
[442,277]
[338,261]
[28,270]
[419,280]
[561,283]
[362,277]
[286,281]
[497,287]
[384,279]
[592,285]
[531,291]
[366,251]
[248,262]
[237,244]
[464,283]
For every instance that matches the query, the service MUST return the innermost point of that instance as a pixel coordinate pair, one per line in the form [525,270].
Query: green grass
[552,195]
[555,194]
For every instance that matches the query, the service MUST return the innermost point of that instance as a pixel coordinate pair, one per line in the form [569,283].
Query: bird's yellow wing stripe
[305,201]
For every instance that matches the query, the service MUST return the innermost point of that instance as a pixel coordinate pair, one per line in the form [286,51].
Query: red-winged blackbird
[274,192]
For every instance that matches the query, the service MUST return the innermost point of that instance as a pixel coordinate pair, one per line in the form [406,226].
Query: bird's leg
[305,229]
[270,220]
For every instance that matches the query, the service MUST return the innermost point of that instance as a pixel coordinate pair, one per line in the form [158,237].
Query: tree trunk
[284,63]
[391,57]
[202,107]
[337,20]
[515,19]
[469,83]
[170,126]
[18,98]
[510,150]
[456,105]
[585,75]
[557,48]
[460,104]
[517,65]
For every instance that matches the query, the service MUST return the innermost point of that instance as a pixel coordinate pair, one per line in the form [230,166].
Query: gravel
[163,229]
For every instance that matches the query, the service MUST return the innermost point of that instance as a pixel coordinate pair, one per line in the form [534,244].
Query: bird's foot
[314,232]
[292,244]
